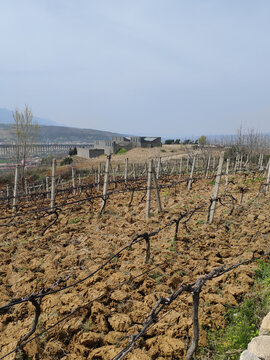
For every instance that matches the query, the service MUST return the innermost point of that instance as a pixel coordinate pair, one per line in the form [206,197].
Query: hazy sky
[153,67]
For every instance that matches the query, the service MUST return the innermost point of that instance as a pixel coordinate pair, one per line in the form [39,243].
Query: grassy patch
[74,221]
[157,276]
[243,322]
[166,193]
[172,245]
[86,326]
[200,222]
[121,151]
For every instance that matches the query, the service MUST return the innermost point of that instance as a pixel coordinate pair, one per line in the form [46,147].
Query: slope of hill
[60,134]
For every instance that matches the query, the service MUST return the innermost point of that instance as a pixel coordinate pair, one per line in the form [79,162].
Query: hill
[60,134]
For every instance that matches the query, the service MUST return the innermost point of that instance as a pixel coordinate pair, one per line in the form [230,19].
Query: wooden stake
[53,184]
[7,194]
[114,178]
[98,176]
[156,190]
[126,171]
[227,174]
[15,191]
[73,180]
[268,177]
[207,167]
[261,164]
[47,187]
[134,171]
[158,167]
[25,186]
[240,163]
[80,184]
[180,168]
[105,185]
[149,188]
[191,174]
[216,189]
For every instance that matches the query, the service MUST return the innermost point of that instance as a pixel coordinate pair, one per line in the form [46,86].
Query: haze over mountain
[7,118]
[59,134]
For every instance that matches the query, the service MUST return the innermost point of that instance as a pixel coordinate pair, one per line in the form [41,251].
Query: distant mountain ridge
[60,135]
[7,118]
[52,132]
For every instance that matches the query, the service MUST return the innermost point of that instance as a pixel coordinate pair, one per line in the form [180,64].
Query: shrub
[72,151]
[121,151]
[66,161]
[169,141]
[47,161]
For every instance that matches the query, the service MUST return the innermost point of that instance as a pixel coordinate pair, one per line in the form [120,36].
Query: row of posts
[153,175]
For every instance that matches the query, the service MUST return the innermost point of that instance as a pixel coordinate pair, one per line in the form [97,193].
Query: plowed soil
[81,240]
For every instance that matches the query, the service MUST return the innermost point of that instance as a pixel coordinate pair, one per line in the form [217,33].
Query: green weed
[74,221]
[86,326]
[200,222]
[121,151]
[157,276]
[243,322]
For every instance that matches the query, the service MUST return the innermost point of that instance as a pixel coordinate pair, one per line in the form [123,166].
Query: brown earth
[140,155]
[78,244]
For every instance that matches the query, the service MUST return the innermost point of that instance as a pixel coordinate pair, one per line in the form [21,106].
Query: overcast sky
[146,67]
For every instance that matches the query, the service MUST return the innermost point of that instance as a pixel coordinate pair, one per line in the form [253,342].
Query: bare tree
[25,132]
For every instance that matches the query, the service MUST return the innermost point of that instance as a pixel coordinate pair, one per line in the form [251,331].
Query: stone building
[88,153]
[116,143]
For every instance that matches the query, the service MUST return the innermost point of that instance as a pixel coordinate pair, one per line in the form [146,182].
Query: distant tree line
[72,151]
[202,140]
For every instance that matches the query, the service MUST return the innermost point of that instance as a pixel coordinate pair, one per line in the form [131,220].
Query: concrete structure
[137,141]
[109,146]
[8,151]
[86,152]
[118,142]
